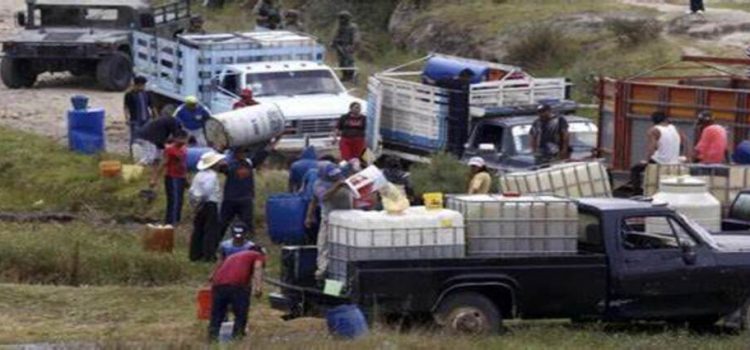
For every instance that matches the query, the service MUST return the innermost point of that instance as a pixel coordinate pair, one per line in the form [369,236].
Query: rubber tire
[17,73]
[702,324]
[744,324]
[115,72]
[479,304]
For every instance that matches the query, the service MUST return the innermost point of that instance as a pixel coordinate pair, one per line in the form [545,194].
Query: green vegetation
[444,174]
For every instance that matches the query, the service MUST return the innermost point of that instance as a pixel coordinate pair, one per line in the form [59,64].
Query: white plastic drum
[244,127]
[690,196]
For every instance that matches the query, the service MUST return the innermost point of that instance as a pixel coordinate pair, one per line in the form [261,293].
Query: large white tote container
[245,126]
[690,196]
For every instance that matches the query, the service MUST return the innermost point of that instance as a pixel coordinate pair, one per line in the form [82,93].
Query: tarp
[440,68]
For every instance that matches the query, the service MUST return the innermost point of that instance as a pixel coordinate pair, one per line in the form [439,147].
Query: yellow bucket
[131,173]
[433,200]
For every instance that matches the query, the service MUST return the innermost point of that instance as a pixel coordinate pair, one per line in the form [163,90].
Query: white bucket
[366,181]
[245,126]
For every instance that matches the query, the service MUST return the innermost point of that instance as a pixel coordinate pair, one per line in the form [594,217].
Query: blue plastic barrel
[741,154]
[194,155]
[86,143]
[79,102]
[438,68]
[89,121]
[285,218]
[346,321]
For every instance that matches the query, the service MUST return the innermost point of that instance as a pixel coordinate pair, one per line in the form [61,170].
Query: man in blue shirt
[237,243]
[139,108]
[239,188]
[193,117]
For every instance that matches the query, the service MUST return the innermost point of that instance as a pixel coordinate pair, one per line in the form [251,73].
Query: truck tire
[114,72]
[469,313]
[17,73]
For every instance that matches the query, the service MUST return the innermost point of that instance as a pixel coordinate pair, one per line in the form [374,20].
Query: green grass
[165,317]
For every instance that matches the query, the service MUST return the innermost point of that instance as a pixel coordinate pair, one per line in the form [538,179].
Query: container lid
[682,184]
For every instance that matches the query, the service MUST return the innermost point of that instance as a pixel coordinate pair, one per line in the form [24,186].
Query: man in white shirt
[664,145]
[205,195]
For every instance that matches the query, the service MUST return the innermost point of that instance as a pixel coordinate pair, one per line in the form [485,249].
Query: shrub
[444,174]
[541,46]
[633,32]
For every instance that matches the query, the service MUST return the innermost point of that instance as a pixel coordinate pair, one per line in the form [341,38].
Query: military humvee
[84,37]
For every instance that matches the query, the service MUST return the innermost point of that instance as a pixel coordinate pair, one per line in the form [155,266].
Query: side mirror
[688,254]
[21,18]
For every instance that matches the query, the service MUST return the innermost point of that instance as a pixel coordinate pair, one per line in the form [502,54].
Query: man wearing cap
[246,99]
[549,136]
[712,144]
[237,243]
[480,181]
[345,44]
[331,194]
[231,285]
[205,195]
[193,116]
[239,188]
[139,108]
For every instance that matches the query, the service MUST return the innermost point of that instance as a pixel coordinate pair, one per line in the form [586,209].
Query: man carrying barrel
[193,115]
[231,284]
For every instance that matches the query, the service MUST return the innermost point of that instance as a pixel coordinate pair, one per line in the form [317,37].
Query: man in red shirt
[712,145]
[231,284]
[246,100]
[350,132]
[174,166]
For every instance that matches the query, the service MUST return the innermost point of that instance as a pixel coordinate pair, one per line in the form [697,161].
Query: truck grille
[56,50]
[314,127]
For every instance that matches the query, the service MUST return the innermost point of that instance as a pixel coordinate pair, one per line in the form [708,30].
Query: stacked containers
[497,225]
[574,180]
[86,130]
[417,234]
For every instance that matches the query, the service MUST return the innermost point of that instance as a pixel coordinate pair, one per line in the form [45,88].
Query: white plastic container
[575,180]
[690,196]
[416,234]
[245,126]
[497,225]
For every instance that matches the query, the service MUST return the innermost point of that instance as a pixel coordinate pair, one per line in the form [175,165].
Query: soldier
[345,43]
[293,22]
[267,14]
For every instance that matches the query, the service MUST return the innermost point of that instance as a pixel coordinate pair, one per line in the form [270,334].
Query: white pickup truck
[283,68]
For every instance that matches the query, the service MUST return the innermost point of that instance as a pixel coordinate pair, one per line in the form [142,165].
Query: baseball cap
[239,229]
[476,161]
[191,100]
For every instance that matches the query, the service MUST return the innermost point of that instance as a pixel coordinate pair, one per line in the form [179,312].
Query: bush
[542,46]
[444,174]
[81,254]
[633,32]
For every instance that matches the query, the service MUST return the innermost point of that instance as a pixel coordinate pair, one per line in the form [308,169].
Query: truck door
[660,270]
[226,91]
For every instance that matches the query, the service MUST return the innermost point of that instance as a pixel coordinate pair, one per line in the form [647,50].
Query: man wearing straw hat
[205,195]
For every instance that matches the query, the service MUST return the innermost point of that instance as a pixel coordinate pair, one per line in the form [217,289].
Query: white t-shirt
[668,147]
[205,187]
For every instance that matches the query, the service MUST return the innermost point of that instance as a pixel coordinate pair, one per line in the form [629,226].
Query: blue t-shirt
[192,119]
[240,183]
[228,248]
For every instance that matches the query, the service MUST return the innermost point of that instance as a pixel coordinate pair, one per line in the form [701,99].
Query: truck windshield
[293,83]
[583,137]
[705,236]
[70,16]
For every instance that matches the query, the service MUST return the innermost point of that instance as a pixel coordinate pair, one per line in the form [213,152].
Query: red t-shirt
[176,160]
[237,269]
[712,145]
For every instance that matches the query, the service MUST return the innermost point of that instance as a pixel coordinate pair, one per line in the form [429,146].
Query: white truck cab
[309,95]
[281,67]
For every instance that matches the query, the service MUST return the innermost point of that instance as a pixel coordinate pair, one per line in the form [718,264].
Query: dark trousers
[241,209]
[636,177]
[697,5]
[346,60]
[206,232]
[175,189]
[238,297]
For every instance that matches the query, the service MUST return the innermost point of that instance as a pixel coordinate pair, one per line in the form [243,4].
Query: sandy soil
[42,109]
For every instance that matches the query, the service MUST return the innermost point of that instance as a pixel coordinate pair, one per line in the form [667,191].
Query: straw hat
[209,159]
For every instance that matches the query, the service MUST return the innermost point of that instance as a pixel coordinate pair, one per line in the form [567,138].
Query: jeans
[223,296]
[242,209]
[206,232]
[175,189]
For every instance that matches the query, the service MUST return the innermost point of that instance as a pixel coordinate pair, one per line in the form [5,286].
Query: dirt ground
[42,109]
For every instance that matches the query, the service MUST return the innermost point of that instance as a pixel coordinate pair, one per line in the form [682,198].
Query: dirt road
[42,109]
